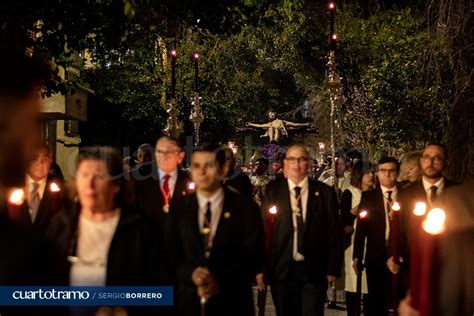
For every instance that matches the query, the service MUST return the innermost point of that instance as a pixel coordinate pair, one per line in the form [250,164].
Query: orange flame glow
[273,210]
[420,209]
[17,197]
[54,187]
[434,222]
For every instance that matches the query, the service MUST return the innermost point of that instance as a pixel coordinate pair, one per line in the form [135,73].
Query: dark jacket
[133,257]
[234,260]
[408,197]
[373,229]
[149,198]
[323,235]
[51,203]
[241,182]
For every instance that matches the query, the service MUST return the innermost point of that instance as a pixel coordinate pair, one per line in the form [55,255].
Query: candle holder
[196,116]
[174,127]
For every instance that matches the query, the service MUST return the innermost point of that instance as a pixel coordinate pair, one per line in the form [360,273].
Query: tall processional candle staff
[395,249]
[362,215]
[269,225]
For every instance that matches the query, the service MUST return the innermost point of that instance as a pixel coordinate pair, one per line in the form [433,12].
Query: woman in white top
[102,240]
[362,179]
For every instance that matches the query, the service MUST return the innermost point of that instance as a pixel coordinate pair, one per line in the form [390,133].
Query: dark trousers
[351,299]
[378,283]
[297,295]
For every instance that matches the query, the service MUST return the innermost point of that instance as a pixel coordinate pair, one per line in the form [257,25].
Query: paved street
[270,309]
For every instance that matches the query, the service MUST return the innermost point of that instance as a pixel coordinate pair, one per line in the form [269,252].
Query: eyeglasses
[294,160]
[433,159]
[166,152]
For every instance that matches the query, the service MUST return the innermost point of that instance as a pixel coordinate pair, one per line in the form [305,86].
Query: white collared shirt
[41,186]
[171,181]
[294,204]
[217,203]
[385,202]
[427,186]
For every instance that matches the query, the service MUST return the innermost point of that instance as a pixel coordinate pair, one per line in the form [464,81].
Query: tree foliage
[407,70]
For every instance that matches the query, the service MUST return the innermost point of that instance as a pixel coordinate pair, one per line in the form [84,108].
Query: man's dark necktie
[389,201]
[34,201]
[299,221]
[206,229]
[434,194]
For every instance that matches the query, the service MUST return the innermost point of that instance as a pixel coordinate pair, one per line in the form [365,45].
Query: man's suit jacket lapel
[312,204]
[284,226]
[44,204]
[193,229]
[180,186]
[379,208]
[420,193]
[223,226]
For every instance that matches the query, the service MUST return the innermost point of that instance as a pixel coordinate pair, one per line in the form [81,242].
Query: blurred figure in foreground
[454,294]
[103,240]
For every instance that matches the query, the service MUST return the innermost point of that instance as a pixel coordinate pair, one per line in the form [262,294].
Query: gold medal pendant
[166,208]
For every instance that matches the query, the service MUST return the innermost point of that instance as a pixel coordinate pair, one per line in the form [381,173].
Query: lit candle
[395,231]
[54,188]
[432,226]
[362,215]
[415,253]
[395,235]
[269,225]
[332,39]
[15,201]
[196,71]
[173,54]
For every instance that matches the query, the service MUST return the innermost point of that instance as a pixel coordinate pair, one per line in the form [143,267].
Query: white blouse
[94,239]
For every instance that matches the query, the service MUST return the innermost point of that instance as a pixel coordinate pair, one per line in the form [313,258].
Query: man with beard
[433,183]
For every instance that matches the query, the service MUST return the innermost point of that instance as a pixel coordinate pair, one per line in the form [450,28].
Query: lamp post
[334,86]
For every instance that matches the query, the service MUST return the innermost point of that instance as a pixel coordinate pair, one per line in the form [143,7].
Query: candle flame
[173,52]
[54,187]
[332,5]
[396,206]
[273,210]
[420,209]
[17,197]
[363,214]
[334,36]
[191,186]
[434,222]
[196,55]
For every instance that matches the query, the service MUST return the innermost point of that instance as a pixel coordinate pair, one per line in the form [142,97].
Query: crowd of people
[212,232]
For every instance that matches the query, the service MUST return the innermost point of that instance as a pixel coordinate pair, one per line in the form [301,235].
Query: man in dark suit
[374,231]
[155,193]
[45,194]
[216,236]
[307,242]
[433,183]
